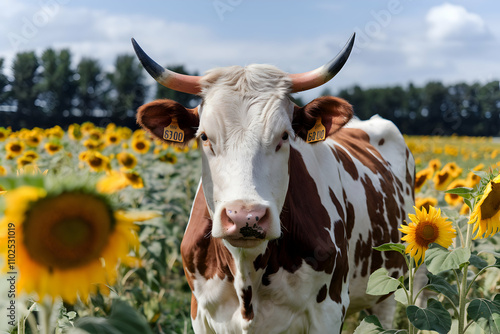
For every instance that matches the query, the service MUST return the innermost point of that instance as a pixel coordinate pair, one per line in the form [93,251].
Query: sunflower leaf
[440,285]
[371,325]
[461,191]
[477,261]
[380,283]
[401,296]
[434,318]
[438,258]
[123,320]
[391,247]
[486,314]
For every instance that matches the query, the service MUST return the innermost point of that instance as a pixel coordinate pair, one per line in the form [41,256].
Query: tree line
[48,89]
[434,109]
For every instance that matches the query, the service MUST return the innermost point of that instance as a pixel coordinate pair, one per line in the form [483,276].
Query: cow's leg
[385,311]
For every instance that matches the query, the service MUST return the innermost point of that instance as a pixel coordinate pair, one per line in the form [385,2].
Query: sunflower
[69,244]
[118,180]
[112,138]
[14,148]
[3,171]
[140,144]
[486,213]
[444,177]
[426,228]
[435,164]
[453,199]
[97,161]
[96,134]
[86,127]
[425,202]
[33,139]
[31,154]
[422,177]
[4,133]
[23,161]
[55,132]
[472,178]
[74,132]
[455,171]
[92,144]
[168,157]
[127,160]
[52,147]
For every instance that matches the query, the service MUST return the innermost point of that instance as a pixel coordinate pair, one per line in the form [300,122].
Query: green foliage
[434,108]
[89,89]
[371,325]
[122,320]
[434,318]
[57,86]
[486,313]
[127,89]
[23,87]
[438,258]
[380,283]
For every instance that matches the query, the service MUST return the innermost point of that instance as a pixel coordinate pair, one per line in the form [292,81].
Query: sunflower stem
[411,274]
[463,286]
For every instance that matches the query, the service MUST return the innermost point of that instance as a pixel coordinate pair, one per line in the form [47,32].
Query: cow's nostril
[242,220]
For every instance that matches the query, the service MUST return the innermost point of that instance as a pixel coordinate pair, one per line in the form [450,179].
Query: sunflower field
[134,196]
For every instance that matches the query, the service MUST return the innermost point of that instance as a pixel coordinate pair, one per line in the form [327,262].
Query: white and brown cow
[281,231]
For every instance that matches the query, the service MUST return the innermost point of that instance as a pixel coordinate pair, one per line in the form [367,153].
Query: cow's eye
[204,136]
[285,136]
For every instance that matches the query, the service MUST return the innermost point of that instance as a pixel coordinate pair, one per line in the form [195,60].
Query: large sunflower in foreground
[486,213]
[426,228]
[68,244]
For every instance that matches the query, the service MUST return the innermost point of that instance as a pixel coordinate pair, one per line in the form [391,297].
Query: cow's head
[244,126]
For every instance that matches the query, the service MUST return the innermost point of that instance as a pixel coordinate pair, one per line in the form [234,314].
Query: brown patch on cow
[339,277]
[347,163]
[305,224]
[194,306]
[155,116]
[381,142]
[334,112]
[200,252]
[247,308]
[321,294]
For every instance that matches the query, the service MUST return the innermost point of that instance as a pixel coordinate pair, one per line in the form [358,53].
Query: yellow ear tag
[173,132]
[317,132]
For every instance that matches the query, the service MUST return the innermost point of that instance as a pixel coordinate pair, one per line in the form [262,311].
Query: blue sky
[398,41]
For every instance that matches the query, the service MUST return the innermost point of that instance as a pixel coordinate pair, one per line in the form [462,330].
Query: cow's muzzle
[245,225]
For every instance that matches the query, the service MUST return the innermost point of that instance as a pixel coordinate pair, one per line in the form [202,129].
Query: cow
[291,200]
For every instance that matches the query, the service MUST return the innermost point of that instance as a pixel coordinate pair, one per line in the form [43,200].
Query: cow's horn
[179,82]
[317,77]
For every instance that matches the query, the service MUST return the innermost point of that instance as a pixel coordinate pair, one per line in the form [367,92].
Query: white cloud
[454,23]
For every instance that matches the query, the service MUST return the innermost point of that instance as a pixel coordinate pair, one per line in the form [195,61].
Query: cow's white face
[245,144]
[244,127]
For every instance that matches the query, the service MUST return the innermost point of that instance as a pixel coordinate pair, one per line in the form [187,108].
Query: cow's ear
[333,111]
[155,116]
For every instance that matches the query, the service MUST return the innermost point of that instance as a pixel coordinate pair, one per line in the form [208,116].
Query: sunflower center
[15,148]
[127,161]
[71,232]
[491,203]
[443,177]
[68,230]
[140,145]
[95,162]
[428,232]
